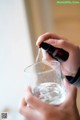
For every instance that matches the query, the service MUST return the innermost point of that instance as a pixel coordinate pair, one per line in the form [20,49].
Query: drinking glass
[46,80]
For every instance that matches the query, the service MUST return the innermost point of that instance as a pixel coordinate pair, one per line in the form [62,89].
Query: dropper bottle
[56,53]
[61,56]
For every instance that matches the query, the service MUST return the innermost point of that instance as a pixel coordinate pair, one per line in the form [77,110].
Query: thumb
[60,43]
[71,92]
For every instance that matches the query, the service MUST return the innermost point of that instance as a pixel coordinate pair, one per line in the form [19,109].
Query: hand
[34,109]
[71,66]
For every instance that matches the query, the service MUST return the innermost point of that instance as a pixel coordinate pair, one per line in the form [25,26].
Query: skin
[34,109]
[71,66]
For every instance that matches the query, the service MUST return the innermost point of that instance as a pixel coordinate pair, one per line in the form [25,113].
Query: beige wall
[67,21]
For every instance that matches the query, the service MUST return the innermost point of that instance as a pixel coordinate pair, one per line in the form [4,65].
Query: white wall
[15,51]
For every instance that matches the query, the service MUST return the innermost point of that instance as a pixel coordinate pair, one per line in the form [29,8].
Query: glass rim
[42,72]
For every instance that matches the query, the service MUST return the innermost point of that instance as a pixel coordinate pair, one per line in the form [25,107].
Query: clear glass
[46,81]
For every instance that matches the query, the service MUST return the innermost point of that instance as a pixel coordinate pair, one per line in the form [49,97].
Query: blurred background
[21,23]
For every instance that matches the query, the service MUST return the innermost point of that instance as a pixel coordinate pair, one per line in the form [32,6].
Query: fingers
[47,36]
[55,40]
[27,112]
[31,107]
[34,102]
[61,44]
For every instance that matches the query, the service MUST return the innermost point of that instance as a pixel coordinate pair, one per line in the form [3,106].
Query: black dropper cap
[56,53]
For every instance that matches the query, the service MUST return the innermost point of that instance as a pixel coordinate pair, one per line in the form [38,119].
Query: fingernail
[38,41]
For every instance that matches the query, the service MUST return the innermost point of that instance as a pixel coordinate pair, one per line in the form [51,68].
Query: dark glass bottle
[56,53]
